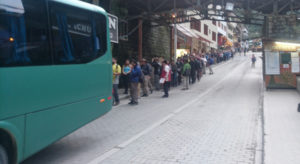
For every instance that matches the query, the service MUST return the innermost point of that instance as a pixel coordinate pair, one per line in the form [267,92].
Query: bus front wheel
[3,155]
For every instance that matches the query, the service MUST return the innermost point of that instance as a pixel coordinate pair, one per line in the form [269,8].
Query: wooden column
[140,49]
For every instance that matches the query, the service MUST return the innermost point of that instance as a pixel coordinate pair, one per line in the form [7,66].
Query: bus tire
[3,155]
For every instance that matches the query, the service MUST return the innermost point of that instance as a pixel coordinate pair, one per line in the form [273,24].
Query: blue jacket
[135,74]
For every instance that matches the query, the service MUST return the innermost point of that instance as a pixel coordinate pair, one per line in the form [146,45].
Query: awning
[191,33]
[13,6]
[228,43]
[200,37]
[186,31]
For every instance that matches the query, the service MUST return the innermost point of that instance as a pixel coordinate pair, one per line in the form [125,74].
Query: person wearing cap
[146,86]
[135,76]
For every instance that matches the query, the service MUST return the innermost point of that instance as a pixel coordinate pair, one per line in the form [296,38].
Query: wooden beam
[140,48]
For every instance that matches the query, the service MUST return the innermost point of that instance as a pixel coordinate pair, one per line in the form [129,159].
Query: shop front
[281,64]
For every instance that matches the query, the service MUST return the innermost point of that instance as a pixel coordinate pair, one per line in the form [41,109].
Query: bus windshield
[24,42]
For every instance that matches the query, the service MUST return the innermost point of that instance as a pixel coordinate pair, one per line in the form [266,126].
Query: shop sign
[272,63]
[280,47]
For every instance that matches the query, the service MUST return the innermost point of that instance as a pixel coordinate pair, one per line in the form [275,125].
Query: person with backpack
[116,68]
[165,78]
[186,71]
[146,69]
[135,78]
[156,67]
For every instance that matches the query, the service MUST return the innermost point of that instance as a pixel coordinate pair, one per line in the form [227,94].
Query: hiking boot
[116,103]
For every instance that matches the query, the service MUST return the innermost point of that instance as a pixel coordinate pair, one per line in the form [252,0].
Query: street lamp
[229,6]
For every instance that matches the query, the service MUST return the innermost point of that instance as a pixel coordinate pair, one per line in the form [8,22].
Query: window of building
[24,38]
[205,29]
[214,37]
[214,22]
[195,24]
[77,38]
[219,24]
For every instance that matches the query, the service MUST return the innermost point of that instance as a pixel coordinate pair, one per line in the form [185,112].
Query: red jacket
[166,73]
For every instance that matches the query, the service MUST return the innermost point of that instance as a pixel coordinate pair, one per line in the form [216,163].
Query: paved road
[216,121]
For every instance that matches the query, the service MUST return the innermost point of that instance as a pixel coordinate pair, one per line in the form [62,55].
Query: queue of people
[144,77]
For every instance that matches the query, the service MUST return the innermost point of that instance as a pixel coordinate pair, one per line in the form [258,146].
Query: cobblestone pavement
[216,121]
[220,127]
[282,127]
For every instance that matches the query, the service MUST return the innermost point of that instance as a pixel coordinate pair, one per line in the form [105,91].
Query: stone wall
[156,42]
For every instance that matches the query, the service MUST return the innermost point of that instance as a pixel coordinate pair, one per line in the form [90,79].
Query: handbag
[162,80]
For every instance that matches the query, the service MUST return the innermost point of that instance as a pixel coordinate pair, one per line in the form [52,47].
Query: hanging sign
[113,28]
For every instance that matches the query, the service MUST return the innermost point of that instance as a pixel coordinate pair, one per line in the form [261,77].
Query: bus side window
[24,39]
[76,37]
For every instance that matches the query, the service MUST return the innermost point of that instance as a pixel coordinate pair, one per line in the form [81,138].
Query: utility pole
[175,31]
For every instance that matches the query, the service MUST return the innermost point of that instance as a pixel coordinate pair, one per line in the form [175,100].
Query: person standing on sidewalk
[126,73]
[116,68]
[165,78]
[210,62]
[146,71]
[174,74]
[156,66]
[186,71]
[204,60]
[198,69]
[179,65]
[253,60]
[135,76]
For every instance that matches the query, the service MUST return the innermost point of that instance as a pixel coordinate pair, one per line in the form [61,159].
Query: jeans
[166,88]
[134,91]
[116,94]
[126,83]
[156,82]
[186,82]
[174,80]
[179,78]
[146,85]
[199,74]
[210,69]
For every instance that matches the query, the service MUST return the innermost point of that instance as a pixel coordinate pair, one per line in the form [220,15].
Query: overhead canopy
[263,6]
[146,8]
[13,6]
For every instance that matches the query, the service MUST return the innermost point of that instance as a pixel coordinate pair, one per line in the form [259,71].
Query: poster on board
[295,62]
[272,63]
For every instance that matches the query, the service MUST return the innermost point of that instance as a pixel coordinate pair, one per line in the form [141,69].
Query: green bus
[55,72]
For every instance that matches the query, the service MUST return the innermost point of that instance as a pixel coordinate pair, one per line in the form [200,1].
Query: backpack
[141,77]
[150,67]
[187,72]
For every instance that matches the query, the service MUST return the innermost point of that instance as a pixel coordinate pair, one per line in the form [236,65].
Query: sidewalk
[282,127]
[123,96]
